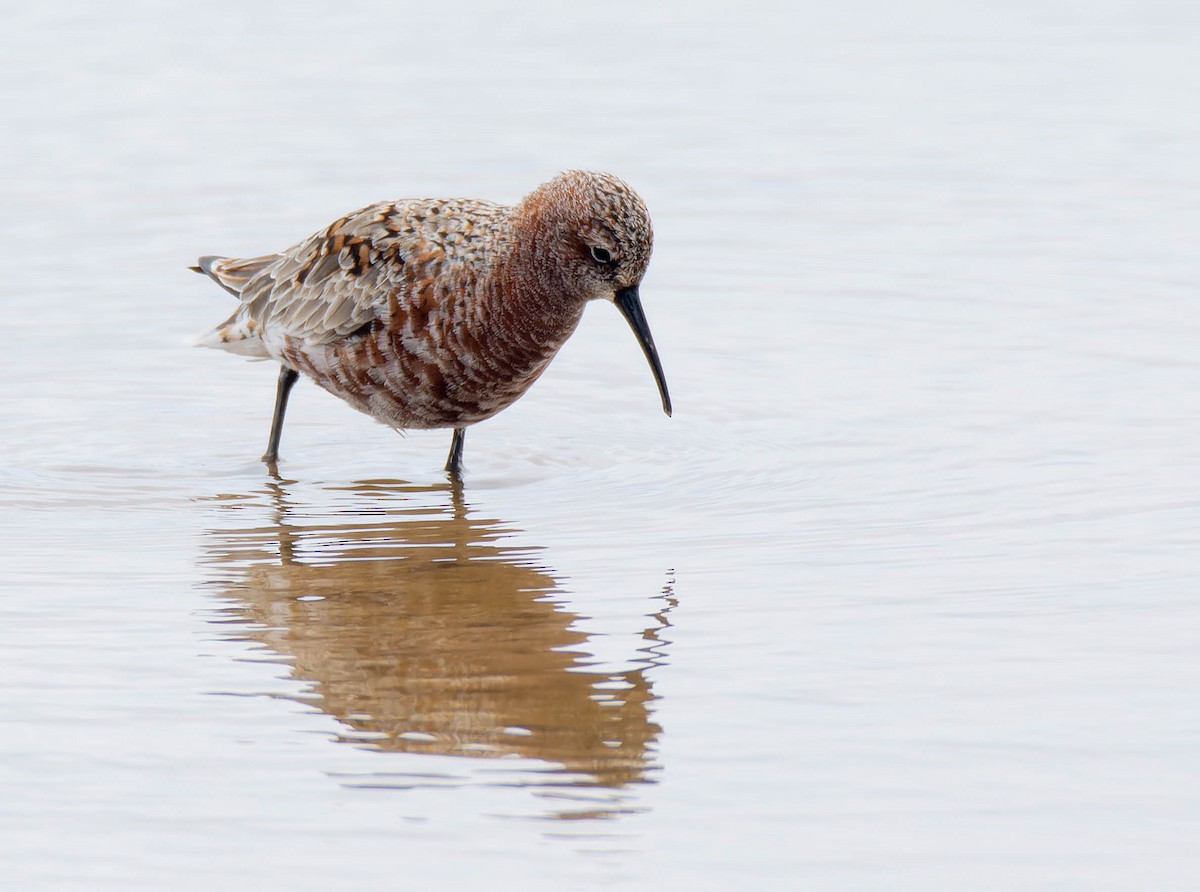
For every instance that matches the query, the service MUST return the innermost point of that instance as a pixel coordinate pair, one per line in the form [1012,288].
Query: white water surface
[905,595]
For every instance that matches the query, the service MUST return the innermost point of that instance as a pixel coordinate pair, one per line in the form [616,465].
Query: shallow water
[905,594]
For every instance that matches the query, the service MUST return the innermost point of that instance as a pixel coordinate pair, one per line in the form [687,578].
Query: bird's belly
[404,389]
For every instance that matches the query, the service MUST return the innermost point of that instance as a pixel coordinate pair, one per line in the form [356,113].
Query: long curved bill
[630,305]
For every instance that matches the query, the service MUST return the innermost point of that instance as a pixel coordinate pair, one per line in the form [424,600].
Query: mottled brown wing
[334,282]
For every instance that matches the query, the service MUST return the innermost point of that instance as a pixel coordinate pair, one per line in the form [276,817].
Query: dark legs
[287,379]
[454,461]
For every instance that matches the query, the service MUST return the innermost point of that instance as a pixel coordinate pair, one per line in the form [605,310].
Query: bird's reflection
[422,629]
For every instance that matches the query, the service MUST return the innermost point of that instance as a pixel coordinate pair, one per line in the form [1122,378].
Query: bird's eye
[600,255]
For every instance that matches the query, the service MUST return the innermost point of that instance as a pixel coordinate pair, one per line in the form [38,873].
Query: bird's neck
[530,301]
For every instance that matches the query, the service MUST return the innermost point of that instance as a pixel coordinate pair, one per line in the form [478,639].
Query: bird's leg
[454,460]
[287,379]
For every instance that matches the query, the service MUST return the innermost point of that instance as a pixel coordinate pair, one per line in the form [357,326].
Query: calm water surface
[904,596]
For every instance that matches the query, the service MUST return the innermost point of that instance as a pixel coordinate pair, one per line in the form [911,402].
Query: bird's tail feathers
[232,273]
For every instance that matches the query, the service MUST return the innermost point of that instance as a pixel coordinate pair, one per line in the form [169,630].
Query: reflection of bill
[423,632]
